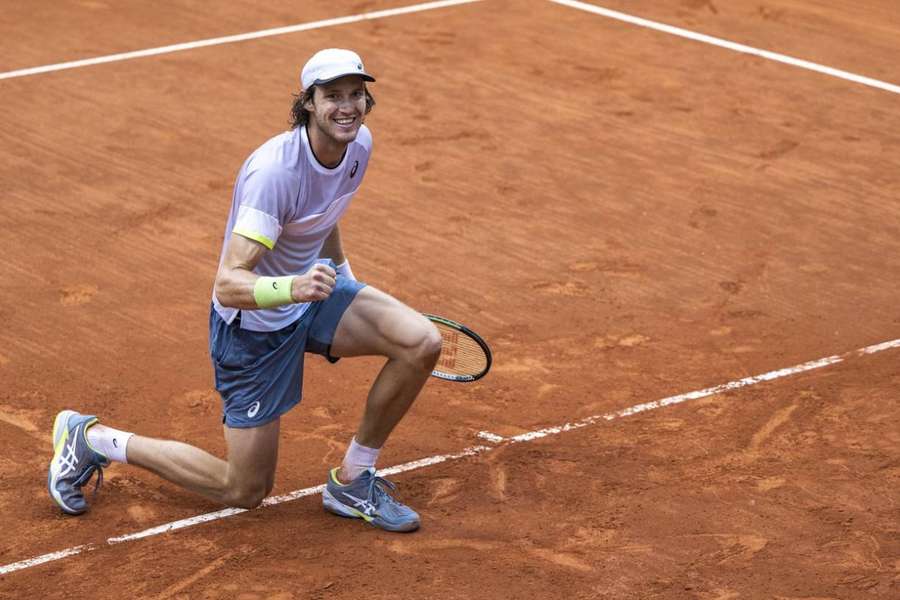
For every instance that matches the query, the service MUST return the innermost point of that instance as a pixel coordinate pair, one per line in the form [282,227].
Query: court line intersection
[576,4]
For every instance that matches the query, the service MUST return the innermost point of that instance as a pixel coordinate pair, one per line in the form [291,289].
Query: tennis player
[284,287]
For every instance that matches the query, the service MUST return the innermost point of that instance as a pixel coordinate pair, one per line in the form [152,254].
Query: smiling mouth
[345,121]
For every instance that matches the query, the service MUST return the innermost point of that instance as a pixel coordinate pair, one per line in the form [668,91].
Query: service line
[472,451]
[230,39]
[708,39]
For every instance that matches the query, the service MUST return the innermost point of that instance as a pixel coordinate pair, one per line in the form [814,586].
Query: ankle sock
[358,459]
[109,442]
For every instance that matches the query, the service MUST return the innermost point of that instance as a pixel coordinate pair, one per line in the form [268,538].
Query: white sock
[358,459]
[109,442]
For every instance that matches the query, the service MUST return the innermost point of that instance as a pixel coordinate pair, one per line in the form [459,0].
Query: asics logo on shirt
[355,167]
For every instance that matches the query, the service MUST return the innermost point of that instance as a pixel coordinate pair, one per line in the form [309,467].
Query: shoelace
[377,488]
[97,484]
[86,476]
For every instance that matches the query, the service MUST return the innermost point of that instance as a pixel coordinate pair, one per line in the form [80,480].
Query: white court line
[230,39]
[491,437]
[708,39]
[472,451]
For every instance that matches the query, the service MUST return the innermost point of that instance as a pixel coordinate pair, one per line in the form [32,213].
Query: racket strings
[460,354]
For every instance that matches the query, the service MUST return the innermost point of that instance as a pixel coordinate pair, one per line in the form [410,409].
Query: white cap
[329,64]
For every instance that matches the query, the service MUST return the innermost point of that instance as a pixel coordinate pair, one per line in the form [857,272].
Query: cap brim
[364,76]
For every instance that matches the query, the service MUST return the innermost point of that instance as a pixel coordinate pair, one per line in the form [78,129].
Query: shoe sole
[333,505]
[60,433]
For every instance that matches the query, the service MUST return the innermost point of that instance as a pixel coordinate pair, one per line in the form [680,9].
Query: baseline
[471,451]
[230,39]
[708,39]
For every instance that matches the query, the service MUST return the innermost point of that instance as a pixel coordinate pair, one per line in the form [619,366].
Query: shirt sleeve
[265,201]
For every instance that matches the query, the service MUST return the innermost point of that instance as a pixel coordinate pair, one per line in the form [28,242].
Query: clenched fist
[314,285]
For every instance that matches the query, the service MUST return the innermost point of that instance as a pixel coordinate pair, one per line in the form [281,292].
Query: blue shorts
[259,374]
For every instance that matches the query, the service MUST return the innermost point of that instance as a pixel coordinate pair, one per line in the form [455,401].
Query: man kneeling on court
[277,295]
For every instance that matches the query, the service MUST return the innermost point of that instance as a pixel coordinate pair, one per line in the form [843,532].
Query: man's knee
[426,351]
[248,495]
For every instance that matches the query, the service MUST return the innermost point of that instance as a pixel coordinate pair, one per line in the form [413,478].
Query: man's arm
[236,283]
[333,248]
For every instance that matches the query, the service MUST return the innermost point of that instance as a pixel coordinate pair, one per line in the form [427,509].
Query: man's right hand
[314,285]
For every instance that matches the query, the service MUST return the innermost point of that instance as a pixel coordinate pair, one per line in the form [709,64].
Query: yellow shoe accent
[88,441]
[334,477]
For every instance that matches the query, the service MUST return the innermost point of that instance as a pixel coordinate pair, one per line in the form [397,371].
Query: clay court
[684,257]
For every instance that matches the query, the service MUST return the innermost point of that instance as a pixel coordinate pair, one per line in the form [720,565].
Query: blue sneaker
[368,497]
[74,461]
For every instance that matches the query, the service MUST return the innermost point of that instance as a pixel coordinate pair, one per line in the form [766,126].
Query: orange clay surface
[623,214]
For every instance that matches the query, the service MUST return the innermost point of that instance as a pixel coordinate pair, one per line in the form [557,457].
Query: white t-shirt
[285,199]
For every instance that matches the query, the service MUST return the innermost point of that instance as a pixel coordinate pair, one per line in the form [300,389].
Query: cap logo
[359,66]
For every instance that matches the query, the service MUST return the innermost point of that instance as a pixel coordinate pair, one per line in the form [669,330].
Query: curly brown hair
[299,114]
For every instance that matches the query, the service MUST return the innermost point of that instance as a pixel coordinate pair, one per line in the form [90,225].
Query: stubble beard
[334,135]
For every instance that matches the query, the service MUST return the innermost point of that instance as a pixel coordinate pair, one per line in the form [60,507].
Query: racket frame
[478,340]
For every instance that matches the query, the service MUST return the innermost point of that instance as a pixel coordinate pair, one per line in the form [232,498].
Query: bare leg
[378,324]
[244,480]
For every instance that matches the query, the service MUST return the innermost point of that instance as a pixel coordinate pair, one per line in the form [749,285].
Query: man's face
[338,108]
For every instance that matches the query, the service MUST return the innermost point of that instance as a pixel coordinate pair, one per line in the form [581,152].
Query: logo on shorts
[355,167]
[254,408]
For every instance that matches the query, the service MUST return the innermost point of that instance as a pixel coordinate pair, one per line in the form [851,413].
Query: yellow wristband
[273,291]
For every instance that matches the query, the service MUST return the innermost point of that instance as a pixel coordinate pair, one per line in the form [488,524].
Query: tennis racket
[464,355]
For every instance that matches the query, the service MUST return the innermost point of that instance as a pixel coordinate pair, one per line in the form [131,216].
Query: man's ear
[310,105]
